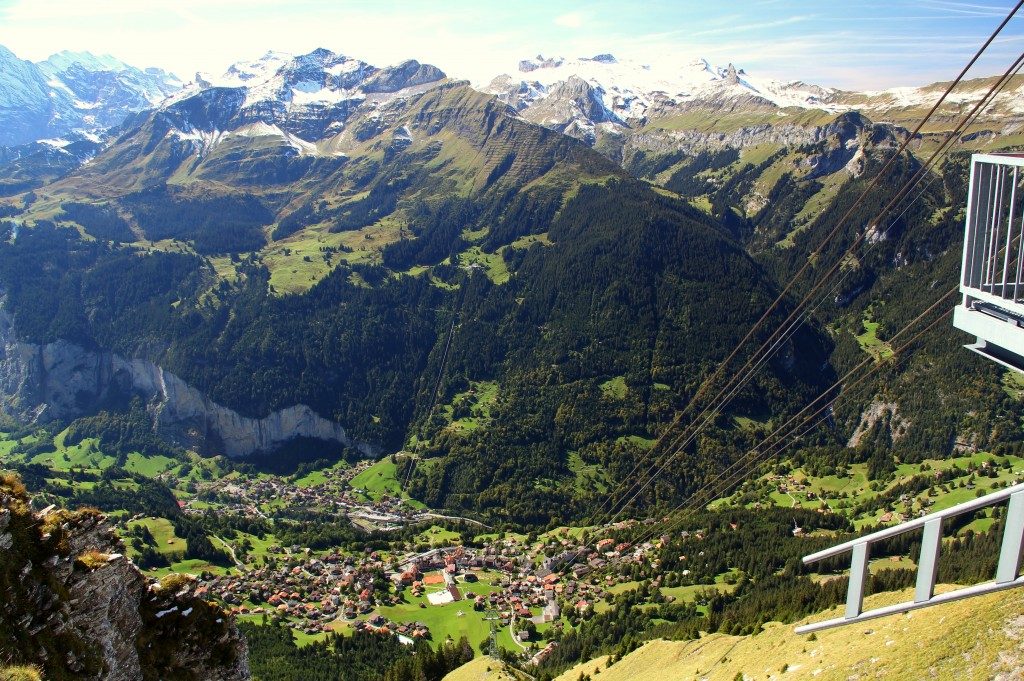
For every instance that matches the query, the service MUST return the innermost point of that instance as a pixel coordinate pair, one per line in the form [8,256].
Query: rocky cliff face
[74,606]
[61,381]
[846,130]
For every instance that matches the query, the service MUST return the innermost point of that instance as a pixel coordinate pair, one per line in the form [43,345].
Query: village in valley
[518,590]
[339,547]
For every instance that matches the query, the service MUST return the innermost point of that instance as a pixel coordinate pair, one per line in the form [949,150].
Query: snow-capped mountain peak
[624,92]
[73,93]
[65,59]
[257,69]
[303,100]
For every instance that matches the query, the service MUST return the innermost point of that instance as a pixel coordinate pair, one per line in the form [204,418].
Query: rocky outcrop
[61,381]
[75,607]
[886,413]
[845,133]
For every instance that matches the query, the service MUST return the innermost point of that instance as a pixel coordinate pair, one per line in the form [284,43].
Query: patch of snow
[186,612]
[243,72]
[163,613]
[261,129]
[323,95]
[347,66]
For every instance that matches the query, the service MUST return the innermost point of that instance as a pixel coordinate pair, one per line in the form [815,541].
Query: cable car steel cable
[994,91]
[745,374]
[841,223]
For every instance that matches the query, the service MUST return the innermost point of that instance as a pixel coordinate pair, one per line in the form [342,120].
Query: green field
[445,620]
[318,477]
[298,262]
[191,566]
[85,454]
[871,343]
[150,466]
[850,487]
[1013,384]
[378,480]
[615,388]
[687,594]
[438,536]
[162,530]
[589,477]
[492,264]
[477,401]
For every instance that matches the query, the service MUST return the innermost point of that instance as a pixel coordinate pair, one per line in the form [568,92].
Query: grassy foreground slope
[481,669]
[980,638]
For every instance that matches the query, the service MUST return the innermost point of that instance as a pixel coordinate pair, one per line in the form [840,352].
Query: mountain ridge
[73,93]
[390,209]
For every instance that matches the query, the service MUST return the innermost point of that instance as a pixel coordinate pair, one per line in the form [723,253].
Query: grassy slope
[378,480]
[973,639]
[855,484]
[481,669]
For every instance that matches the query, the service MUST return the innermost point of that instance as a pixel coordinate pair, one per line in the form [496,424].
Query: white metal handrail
[1007,570]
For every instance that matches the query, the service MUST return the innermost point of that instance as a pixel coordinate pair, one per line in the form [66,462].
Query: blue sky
[853,44]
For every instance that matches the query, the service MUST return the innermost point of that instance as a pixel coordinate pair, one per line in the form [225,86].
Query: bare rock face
[61,380]
[74,606]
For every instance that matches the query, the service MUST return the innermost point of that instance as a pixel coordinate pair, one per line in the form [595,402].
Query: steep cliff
[74,606]
[62,381]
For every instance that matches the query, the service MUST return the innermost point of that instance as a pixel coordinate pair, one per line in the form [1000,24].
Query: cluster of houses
[406,633]
[249,496]
[316,592]
[311,591]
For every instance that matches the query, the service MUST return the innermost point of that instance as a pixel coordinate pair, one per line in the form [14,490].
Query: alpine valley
[357,357]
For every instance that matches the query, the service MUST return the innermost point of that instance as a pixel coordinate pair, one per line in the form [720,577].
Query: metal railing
[992,272]
[993,258]
[1007,571]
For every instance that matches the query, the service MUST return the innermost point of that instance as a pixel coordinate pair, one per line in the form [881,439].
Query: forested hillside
[485,252]
[498,301]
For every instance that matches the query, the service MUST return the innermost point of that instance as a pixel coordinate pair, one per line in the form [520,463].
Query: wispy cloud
[758,26]
[965,8]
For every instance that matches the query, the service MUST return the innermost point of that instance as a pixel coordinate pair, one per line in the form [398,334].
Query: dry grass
[974,639]
[92,560]
[20,673]
[11,483]
[481,669]
[173,583]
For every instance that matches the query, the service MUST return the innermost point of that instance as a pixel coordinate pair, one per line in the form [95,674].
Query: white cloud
[570,20]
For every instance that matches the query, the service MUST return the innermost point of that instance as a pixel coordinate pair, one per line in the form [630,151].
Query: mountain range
[521,284]
[221,298]
[73,93]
